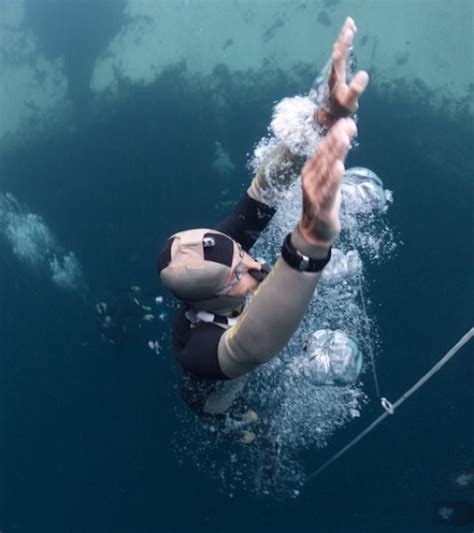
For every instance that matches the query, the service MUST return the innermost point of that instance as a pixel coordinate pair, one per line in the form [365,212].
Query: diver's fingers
[347,125]
[318,171]
[315,167]
[341,48]
[327,181]
[348,96]
[349,22]
[336,149]
[334,146]
[328,195]
[337,141]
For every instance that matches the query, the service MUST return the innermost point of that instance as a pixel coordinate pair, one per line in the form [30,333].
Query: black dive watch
[299,261]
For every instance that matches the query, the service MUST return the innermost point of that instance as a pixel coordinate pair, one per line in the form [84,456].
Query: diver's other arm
[281,166]
[278,306]
[274,175]
[343,98]
[247,221]
[258,205]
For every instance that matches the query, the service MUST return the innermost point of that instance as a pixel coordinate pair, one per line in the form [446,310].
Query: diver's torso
[195,346]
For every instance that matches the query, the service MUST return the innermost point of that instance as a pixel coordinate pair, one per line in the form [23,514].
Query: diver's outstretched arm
[282,166]
[343,98]
[275,311]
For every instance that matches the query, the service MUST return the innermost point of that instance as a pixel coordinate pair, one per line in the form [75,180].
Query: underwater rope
[390,408]
[366,323]
[352,242]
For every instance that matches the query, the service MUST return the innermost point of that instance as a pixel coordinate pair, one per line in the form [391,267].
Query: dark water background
[87,435]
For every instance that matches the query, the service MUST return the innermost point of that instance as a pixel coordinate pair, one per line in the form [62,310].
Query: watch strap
[295,259]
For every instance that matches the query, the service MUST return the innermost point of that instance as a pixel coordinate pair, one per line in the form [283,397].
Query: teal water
[96,440]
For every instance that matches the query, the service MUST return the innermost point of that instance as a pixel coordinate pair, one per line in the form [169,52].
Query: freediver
[220,334]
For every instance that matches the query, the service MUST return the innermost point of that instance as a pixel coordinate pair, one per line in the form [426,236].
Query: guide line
[391,408]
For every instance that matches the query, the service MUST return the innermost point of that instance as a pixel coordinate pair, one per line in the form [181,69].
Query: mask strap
[237,275]
[261,274]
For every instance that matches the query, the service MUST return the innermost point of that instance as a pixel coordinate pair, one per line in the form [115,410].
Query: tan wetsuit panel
[271,317]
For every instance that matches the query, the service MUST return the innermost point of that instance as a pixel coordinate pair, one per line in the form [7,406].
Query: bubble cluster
[33,243]
[343,266]
[66,271]
[329,358]
[363,191]
[222,163]
[293,124]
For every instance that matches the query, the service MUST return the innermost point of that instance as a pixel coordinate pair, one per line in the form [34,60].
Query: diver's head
[208,270]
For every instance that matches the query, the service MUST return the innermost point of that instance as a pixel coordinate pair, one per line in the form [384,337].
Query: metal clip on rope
[388,406]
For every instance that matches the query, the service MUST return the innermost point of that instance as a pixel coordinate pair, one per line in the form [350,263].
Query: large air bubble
[364,205]
[341,267]
[330,358]
[362,190]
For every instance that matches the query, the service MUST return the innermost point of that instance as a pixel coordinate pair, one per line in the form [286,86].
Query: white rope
[390,408]
[365,314]
[369,345]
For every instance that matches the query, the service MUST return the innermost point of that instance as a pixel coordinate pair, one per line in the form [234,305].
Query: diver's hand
[321,178]
[343,98]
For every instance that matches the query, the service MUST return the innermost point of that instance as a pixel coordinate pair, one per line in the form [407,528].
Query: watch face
[304,263]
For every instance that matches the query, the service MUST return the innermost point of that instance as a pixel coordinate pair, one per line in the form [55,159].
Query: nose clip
[260,275]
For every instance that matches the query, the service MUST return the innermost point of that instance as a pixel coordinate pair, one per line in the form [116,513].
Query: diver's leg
[219,403]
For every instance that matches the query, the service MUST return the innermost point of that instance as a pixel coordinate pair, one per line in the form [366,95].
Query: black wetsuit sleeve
[247,221]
